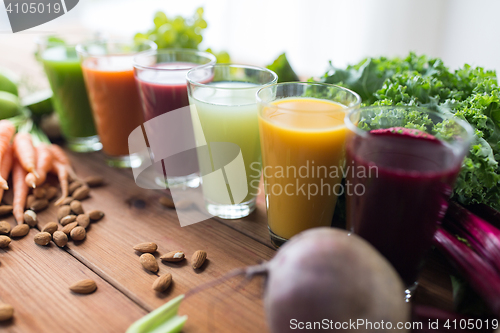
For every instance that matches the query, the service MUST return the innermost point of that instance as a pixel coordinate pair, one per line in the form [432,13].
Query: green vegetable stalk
[162,320]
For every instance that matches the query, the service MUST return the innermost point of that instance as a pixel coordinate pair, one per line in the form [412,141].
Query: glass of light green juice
[71,103]
[224,109]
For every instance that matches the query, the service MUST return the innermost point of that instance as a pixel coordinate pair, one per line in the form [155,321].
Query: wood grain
[35,281]
[134,215]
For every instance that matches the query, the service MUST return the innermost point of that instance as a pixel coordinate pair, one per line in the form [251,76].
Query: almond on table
[86,286]
[149,262]
[50,227]
[20,230]
[198,259]
[147,247]
[4,241]
[43,238]
[162,282]
[5,228]
[60,238]
[173,256]
[78,233]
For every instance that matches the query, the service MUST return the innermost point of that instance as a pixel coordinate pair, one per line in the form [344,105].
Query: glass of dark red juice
[161,80]
[401,165]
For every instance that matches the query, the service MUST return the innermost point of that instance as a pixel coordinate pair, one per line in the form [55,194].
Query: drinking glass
[224,110]
[403,164]
[69,95]
[302,134]
[109,77]
[161,79]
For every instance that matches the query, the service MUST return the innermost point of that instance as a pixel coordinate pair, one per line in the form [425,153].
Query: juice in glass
[161,78]
[407,180]
[302,142]
[71,103]
[227,110]
[109,77]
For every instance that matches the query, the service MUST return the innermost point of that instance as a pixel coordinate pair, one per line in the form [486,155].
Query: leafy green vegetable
[162,320]
[282,68]
[180,33]
[470,93]
[176,32]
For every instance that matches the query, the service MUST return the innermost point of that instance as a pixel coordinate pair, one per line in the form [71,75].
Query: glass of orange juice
[109,77]
[302,135]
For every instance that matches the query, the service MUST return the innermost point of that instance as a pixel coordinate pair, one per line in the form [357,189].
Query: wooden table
[35,279]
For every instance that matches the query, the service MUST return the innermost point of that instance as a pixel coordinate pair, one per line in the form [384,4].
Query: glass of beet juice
[401,165]
[161,79]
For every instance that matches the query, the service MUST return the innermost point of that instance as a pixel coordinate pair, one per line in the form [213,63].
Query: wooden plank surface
[35,281]
[134,215]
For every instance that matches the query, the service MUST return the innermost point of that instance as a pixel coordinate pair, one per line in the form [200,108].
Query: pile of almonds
[71,217]
[149,262]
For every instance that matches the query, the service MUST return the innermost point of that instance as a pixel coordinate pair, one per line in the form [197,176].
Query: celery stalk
[162,320]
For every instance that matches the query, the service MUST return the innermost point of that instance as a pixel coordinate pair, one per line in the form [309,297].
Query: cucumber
[8,81]
[39,102]
[9,105]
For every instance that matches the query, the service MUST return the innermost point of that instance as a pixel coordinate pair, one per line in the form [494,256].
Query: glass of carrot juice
[302,134]
[109,77]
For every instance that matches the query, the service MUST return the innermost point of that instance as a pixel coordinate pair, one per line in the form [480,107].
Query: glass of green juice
[62,67]
[224,110]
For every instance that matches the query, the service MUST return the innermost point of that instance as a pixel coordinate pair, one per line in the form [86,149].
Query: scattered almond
[6,311]
[63,211]
[162,282]
[81,193]
[40,193]
[67,220]
[29,200]
[96,215]
[173,256]
[5,209]
[78,233]
[67,201]
[167,202]
[4,241]
[43,238]
[146,247]
[60,238]
[183,204]
[198,259]
[76,207]
[20,230]
[67,228]
[4,228]
[74,185]
[30,218]
[39,204]
[86,286]
[51,192]
[83,220]
[50,227]
[148,261]
[94,181]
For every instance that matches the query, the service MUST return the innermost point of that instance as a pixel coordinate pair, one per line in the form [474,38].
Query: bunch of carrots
[30,158]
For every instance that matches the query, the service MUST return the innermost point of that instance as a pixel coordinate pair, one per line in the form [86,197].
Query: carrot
[60,156]
[6,166]
[25,152]
[62,173]
[20,191]
[43,165]
[7,130]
